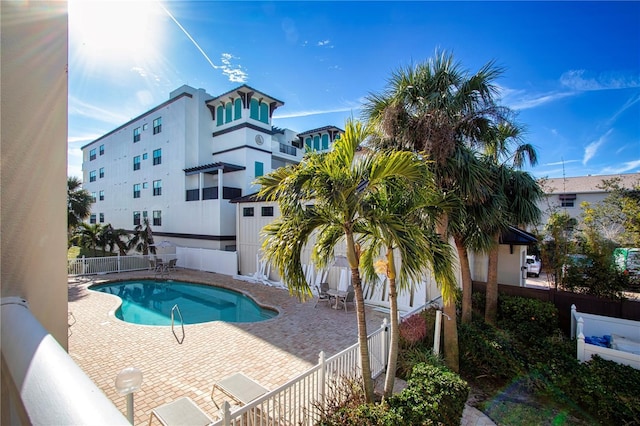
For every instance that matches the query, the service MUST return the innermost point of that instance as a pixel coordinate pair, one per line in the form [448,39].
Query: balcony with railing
[212,193]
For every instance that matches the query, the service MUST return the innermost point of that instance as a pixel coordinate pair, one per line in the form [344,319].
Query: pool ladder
[177,309]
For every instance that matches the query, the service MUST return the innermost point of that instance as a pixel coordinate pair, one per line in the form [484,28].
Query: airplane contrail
[195,43]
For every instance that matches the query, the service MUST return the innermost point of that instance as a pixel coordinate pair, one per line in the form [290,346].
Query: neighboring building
[566,194]
[179,164]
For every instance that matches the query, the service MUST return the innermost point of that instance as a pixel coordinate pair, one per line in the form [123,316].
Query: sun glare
[114,33]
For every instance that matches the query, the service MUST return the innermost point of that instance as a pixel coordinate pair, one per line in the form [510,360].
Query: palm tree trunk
[363,341]
[450,333]
[491,307]
[467,286]
[451,351]
[392,360]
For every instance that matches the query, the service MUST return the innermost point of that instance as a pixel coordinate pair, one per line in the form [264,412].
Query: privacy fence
[626,309]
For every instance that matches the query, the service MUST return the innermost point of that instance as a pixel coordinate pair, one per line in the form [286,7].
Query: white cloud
[558,163]
[323,42]
[84,109]
[316,112]
[233,72]
[582,80]
[533,101]
[593,147]
[622,168]
[630,102]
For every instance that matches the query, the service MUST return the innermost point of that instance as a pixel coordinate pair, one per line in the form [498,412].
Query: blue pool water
[149,302]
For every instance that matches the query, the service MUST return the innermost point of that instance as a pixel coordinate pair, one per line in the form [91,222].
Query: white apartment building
[568,193]
[180,163]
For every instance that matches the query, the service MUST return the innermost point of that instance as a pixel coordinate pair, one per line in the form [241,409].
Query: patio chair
[182,411]
[161,267]
[172,265]
[346,298]
[323,296]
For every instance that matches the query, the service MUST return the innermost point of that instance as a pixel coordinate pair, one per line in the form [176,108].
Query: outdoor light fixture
[127,382]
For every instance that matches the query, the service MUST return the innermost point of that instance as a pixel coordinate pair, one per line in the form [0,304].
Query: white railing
[107,264]
[296,402]
[598,325]
[44,385]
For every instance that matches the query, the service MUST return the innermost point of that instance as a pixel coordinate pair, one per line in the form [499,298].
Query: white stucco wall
[33,208]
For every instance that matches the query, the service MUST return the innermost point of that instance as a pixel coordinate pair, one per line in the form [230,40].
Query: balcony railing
[212,193]
[44,385]
[288,149]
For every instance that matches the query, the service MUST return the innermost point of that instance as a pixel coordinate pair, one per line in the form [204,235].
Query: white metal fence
[222,262]
[106,265]
[297,401]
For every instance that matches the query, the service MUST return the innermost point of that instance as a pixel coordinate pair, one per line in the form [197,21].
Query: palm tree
[90,236]
[114,238]
[337,183]
[519,193]
[516,195]
[403,219]
[142,239]
[79,202]
[438,108]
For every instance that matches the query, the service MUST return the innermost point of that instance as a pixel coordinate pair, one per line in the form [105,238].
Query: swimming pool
[149,302]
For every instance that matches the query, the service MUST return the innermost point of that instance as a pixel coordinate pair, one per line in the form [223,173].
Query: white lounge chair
[182,411]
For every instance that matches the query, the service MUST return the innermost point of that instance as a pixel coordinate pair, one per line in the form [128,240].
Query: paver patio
[272,352]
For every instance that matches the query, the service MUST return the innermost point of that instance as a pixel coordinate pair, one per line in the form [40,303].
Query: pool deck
[271,352]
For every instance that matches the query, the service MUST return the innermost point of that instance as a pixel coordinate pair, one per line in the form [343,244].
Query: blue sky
[572,69]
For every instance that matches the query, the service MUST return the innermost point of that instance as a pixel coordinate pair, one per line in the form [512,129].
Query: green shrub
[364,415]
[408,357]
[530,320]
[345,404]
[434,395]
[607,390]
[488,352]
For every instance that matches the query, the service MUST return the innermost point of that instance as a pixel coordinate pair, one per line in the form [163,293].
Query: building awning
[568,197]
[515,236]
[213,168]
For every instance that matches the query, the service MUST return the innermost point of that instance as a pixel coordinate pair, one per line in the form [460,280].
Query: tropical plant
[90,236]
[438,108]
[115,238]
[79,202]
[142,239]
[516,195]
[617,217]
[403,225]
[337,183]
[519,193]
[557,243]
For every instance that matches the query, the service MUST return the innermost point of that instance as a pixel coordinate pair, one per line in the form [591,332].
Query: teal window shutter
[325,141]
[264,113]
[259,169]
[228,114]
[254,110]
[238,109]
[219,116]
